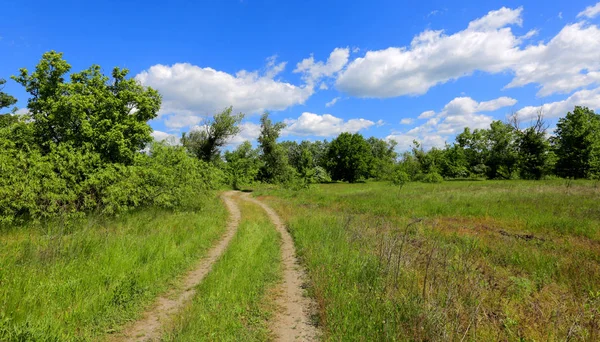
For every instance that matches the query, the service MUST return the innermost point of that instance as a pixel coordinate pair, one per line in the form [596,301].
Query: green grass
[233,302]
[472,260]
[79,283]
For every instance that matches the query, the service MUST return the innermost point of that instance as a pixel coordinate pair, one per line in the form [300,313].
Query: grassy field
[233,302]
[457,261]
[79,283]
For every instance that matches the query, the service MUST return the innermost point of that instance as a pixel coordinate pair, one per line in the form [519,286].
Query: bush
[70,183]
[432,177]
[400,177]
[320,175]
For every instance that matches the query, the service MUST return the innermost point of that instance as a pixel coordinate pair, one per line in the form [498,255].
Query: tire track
[292,321]
[149,327]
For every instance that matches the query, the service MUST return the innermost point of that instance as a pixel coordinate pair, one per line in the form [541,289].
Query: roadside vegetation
[60,283]
[468,260]
[234,302]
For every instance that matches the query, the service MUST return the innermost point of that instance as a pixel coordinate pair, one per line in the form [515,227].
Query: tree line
[85,145]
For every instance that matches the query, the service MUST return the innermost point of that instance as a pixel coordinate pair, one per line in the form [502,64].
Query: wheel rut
[293,319]
[149,327]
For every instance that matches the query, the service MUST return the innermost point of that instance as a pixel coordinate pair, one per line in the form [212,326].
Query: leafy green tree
[242,165]
[92,111]
[383,158]
[205,144]
[454,162]
[349,157]
[577,144]
[476,150]
[535,154]
[502,155]
[275,166]
[5,102]
[5,99]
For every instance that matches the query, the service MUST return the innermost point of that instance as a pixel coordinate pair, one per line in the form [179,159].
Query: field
[82,282]
[464,260]
[455,261]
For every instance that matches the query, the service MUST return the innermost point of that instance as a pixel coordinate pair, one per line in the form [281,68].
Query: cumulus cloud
[565,63]
[590,11]
[313,71]
[406,121]
[163,136]
[189,90]
[248,131]
[457,114]
[332,102]
[588,98]
[325,125]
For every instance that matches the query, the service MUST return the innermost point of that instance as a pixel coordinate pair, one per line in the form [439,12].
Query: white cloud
[457,114]
[325,125]
[180,121]
[248,131]
[22,111]
[567,62]
[427,114]
[587,98]
[313,71]
[590,11]
[406,121]
[332,102]
[163,136]
[189,90]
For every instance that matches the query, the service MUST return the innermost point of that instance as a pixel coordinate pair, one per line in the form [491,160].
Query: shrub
[432,177]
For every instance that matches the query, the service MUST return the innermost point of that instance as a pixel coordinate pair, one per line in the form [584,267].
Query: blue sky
[389,69]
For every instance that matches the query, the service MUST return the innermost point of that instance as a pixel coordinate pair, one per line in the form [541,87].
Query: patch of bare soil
[292,321]
[149,327]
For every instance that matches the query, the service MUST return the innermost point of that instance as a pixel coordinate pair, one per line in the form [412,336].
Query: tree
[475,150]
[349,157]
[534,150]
[92,111]
[242,165]
[383,158]
[206,143]
[577,144]
[501,158]
[275,166]
[5,99]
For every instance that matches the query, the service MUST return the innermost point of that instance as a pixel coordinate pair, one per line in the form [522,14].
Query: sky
[390,69]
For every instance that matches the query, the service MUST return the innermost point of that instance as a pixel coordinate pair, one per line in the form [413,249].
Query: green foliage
[275,167]
[242,165]
[502,155]
[577,144]
[535,153]
[400,177]
[5,99]
[349,157]
[432,177]
[92,112]
[320,175]
[205,144]
[383,158]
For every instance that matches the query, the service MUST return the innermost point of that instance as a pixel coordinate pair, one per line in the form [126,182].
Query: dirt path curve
[149,328]
[292,321]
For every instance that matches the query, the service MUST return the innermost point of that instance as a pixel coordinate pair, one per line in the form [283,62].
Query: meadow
[85,280]
[456,261]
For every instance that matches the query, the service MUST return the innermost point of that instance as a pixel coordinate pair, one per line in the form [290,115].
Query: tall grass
[233,302]
[453,261]
[79,283]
